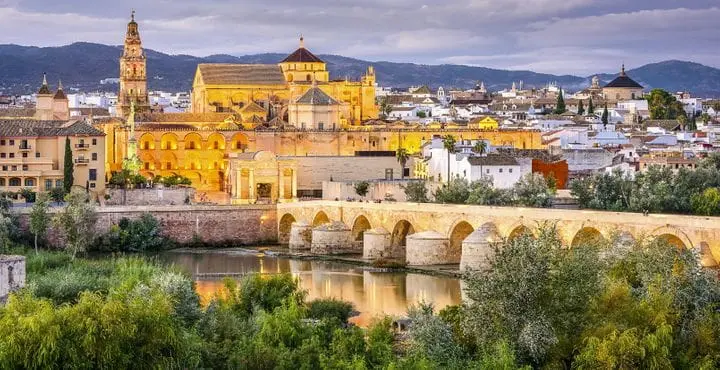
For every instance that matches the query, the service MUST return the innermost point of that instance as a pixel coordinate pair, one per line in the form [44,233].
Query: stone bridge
[429,234]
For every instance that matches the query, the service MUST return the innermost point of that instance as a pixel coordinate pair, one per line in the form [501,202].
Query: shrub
[330,308]
[139,235]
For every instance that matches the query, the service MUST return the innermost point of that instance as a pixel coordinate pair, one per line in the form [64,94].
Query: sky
[579,37]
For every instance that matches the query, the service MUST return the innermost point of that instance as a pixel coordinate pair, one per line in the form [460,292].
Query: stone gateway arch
[435,234]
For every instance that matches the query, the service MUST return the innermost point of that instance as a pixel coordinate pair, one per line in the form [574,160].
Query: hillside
[82,66]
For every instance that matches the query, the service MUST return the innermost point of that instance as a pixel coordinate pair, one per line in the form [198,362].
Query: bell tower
[133,73]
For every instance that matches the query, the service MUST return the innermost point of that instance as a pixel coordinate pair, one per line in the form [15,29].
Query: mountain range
[82,66]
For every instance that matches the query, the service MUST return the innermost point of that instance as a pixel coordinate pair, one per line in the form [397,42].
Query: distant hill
[82,66]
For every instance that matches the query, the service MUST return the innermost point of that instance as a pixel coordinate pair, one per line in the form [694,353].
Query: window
[37,154]
[321,126]
[4,168]
[48,184]
[94,156]
[3,155]
[388,174]
[510,170]
[13,168]
[92,174]
[59,183]
[82,142]
[2,142]
[12,142]
[500,170]
[14,181]
[168,166]
[12,155]
[24,155]
[94,141]
[2,182]
[25,167]
[29,182]
[147,165]
[92,185]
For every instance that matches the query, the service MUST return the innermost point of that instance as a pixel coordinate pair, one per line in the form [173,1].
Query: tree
[6,226]
[707,203]
[402,156]
[591,107]
[560,104]
[482,192]
[705,118]
[456,191]
[421,114]
[77,221]
[361,188]
[416,191]
[605,115]
[385,108]
[449,145]
[40,218]
[581,108]
[532,191]
[663,105]
[480,147]
[68,167]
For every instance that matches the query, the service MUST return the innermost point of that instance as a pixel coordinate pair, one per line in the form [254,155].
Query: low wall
[247,224]
[144,197]
[12,275]
[377,189]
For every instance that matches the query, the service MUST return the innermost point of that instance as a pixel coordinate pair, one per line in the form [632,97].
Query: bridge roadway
[427,234]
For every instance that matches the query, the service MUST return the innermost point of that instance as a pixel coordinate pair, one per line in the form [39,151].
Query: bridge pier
[376,244]
[477,248]
[300,236]
[428,248]
[333,238]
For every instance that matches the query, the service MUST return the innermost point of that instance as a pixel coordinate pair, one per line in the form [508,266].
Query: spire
[44,79]
[132,16]
[44,89]
[622,71]
[302,41]
[60,85]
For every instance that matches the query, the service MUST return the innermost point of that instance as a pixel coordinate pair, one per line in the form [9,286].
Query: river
[373,293]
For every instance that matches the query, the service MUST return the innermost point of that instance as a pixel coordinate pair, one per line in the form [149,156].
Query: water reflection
[372,293]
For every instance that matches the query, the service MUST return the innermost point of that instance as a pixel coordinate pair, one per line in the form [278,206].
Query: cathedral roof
[241,74]
[315,96]
[60,95]
[44,89]
[253,107]
[302,55]
[623,81]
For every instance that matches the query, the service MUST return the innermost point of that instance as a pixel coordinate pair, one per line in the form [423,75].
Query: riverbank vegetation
[604,304]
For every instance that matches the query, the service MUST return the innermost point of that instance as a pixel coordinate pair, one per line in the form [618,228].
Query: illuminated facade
[133,73]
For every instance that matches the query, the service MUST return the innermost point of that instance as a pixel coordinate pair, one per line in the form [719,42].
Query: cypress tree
[581,108]
[68,167]
[560,105]
[605,115]
[591,107]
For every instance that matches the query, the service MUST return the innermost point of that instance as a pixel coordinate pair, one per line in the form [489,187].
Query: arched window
[29,182]
[309,77]
[15,181]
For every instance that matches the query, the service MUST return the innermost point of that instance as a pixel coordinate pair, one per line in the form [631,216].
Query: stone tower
[44,105]
[133,73]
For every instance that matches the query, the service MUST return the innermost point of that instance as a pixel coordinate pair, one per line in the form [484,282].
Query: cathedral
[133,73]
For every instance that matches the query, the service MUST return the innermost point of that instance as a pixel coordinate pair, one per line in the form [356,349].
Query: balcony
[25,147]
[82,146]
[82,161]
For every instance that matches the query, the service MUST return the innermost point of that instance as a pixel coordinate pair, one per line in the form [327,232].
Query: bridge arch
[671,239]
[360,225]
[398,238]
[320,218]
[457,235]
[518,231]
[587,235]
[284,227]
[672,236]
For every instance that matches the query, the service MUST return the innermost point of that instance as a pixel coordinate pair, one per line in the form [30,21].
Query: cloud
[569,36]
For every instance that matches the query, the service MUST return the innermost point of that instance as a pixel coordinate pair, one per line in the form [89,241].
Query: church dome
[302,55]
[623,81]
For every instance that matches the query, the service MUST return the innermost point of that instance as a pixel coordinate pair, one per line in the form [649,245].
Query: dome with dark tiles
[623,81]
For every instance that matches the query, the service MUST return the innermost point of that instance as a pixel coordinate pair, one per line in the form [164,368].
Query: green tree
[385,108]
[402,157]
[6,227]
[605,115]
[416,191]
[663,105]
[532,191]
[40,218]
[480,147]
[707,203]
[68,167]
[362,188]
[591,107]
[560,104]
[705,118]
[449,145]
[482,192]
[421,114]
[77,221]
[581,108]
[456,191]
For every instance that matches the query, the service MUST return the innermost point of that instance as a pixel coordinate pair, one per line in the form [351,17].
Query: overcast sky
[579,37]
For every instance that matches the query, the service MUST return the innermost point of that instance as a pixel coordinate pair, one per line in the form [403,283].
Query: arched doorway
[587,236]
[360,225]
[284,228]
[457,236]
[320,219]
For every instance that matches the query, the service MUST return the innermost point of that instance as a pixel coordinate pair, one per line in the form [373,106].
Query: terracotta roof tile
[241,74]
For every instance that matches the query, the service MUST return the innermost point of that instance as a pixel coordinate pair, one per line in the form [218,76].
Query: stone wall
[376,190]
[12,275]
[144,197]
[247,224]
[312,171]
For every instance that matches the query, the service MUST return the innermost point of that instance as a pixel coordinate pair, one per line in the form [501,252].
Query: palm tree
[449,145]
[480,147]
[402,156]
